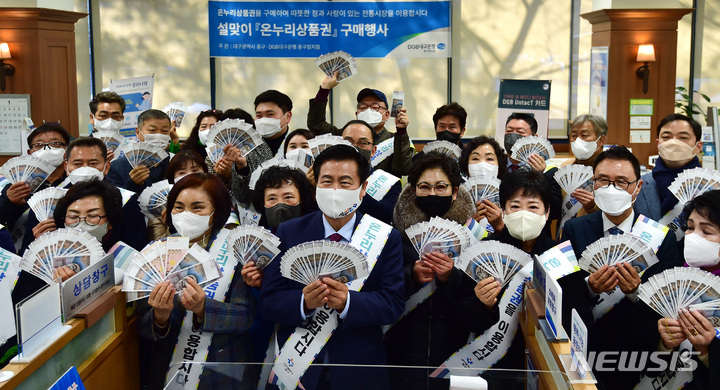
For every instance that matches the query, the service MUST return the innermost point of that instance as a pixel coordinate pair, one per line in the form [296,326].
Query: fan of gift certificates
[43,202]
[112,139]
[234,132]
[313,260]
[615,249]
[253,243]
[141,153]
[169,260]
[439,235]
[492,258]
[683,288]
[483,187]
[324,141]
[444,147]
[153,199]
[65,247]
[337,61]
[302,162]
[693,182]
[214,152]
[527,146]
[27,169]
[176,111]
[572,177]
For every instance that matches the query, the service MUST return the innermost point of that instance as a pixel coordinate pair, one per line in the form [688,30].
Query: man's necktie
[335,237]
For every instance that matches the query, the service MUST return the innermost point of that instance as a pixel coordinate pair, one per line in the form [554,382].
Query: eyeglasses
[374,106]
[363,144]
[40,145]
[619,184]
[92,219]
[424,189]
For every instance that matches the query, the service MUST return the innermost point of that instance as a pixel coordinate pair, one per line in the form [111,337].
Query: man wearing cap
[373,108]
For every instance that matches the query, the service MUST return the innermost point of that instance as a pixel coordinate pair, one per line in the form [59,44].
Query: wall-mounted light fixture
[646,53]
[5,69]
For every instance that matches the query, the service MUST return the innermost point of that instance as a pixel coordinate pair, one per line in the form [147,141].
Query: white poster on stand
[138,95]
[531,97]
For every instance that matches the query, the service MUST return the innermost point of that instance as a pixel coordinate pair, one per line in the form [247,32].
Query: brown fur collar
[407,213]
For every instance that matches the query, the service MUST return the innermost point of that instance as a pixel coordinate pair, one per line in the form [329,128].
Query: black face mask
[510,140]
[367,154]
[448,136]
[434,205]
[281,212]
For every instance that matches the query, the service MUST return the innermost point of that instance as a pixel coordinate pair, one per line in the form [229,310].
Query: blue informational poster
[308,29]
[69,381]
[138,93]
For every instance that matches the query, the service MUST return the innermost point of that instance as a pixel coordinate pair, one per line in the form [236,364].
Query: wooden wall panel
[42,44]
[623,30]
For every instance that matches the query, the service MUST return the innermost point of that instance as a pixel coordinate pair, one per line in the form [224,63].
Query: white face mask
[613,201]
[583,150]
[338,203]
[701,252]
[268,127]
[54,156]
[524,225]
[98,231]
[676,152]
[108,124]
[372,117]
[84,174]
[203,136]
[157,140]
[482,169]
[190,224]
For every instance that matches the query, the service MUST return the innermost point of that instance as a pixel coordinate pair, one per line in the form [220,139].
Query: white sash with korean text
[651,233]
[307,341]
[379,183]
[487,349]
[415,300]
[672,220]
[384,150]
[672,378]
[193,346]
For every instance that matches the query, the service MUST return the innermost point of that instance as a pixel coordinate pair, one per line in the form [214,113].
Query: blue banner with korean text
[308,29]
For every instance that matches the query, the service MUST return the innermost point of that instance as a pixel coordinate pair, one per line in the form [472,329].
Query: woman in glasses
[92,206]
[483,156]
[439,325]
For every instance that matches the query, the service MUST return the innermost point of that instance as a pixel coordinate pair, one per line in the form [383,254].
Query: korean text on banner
[302,29]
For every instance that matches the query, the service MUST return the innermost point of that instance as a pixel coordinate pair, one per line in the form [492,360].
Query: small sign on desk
[88,284]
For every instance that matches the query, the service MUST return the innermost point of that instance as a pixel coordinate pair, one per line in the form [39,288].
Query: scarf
[664,175]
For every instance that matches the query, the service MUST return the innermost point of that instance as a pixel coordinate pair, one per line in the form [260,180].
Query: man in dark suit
[340,173]
[630,325]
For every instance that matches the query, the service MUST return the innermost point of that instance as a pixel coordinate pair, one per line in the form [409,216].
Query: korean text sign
[407,29]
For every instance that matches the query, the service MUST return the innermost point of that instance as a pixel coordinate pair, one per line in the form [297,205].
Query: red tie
[335,237]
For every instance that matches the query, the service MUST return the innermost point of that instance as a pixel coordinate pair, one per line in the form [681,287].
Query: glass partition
[246,375]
